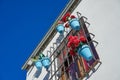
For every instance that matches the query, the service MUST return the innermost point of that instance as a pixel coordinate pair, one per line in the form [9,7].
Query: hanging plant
[85,52]
[64,18]
[73,43]
[71,20]
[37,63]
[60,27]
[44,60]
[84,49]
[80,46]
[41,55]
[41,60]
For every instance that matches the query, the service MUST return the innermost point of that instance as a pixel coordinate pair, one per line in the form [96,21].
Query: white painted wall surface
[31,72]
[104,17]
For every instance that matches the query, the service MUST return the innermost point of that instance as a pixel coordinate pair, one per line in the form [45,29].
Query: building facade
[63,65]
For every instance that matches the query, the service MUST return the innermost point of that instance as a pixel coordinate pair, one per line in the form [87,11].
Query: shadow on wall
[47,76]
[37,73]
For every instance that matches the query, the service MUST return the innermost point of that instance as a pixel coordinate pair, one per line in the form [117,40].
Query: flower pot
[45,62]
[60,28]
[85,52]
[38,64]
[74,23]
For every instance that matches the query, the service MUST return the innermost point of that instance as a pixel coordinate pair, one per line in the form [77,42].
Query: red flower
[72,16]
[76,42]
[73,42]
[67,25]
[83,39]
[75,37]
[64,19]
[72,52]
[70,38]
[69,44]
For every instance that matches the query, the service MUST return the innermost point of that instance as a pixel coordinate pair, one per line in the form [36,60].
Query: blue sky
[23,23]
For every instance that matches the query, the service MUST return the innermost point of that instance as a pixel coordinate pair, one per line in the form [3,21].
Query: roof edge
[69,7]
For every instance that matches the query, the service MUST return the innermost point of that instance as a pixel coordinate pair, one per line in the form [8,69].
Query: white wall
[104,16]
[44,73]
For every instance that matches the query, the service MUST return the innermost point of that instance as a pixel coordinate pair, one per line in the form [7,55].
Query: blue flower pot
[38,64]
[85,52]
[45,62]
[74,23]
[60,28]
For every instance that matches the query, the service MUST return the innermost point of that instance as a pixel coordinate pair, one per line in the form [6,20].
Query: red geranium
[83,39]
[64,18]
[67,25]
[73,43]
[72,16]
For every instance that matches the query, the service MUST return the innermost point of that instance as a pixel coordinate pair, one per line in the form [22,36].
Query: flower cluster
[66,21]
[74,42]
[66,18]
[41,60]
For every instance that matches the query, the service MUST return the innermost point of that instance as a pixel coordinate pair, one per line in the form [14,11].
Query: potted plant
[80,46]
[73,43]
[72,21]
[40,61]
[85,52]
[60,27]
[44,60]
[37,63]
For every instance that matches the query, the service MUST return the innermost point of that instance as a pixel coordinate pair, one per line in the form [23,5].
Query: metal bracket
[88,24]
[48,52]
[79,15]
[51,49]
[93,70]
[96,43]
[84,18]
[92,35]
